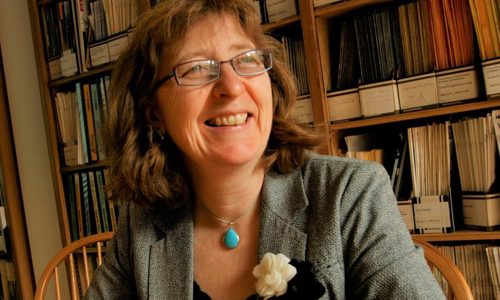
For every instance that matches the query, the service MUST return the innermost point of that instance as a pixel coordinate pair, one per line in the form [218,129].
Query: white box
[432,214]
[280,9]
[344,105]
[491,74]
[379,98]
[481,211]
[417,92]
[303,110]
[457,85]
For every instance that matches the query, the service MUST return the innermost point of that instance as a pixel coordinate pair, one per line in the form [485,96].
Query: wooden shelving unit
[308,19]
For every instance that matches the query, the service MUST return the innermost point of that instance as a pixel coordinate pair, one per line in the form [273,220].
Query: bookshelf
[310,20]
[14,212]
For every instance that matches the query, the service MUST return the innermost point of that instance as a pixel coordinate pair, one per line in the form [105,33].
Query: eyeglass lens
[204,71]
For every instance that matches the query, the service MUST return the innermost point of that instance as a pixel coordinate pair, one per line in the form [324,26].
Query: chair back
[458,287]
[80,258]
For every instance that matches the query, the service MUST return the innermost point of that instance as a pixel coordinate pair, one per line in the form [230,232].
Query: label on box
[491,73]
[457,86]
[418,92]
[432,214]
[116,47]
[68,63]
[379,99]
[344,106]
[303,111]
[99,54]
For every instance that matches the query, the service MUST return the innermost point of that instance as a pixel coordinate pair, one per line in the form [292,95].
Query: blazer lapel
[170,265]
[282,220]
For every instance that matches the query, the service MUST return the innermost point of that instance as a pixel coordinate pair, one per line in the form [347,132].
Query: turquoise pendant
[231,238]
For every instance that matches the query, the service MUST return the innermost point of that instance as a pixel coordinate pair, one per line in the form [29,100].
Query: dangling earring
[155,136]
[159,135]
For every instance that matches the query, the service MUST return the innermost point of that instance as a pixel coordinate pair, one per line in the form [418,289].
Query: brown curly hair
[150,171]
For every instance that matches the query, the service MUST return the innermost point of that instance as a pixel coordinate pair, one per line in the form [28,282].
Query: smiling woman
[213,173]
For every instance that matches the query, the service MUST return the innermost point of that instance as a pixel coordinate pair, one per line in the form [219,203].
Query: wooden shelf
[415,115]
[86,167]
[281,23]
[71,79]
[341,8]
[459,236]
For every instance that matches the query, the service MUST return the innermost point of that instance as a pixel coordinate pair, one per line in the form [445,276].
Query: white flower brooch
[273,274]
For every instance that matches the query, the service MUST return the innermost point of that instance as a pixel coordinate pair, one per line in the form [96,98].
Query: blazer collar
[282,231]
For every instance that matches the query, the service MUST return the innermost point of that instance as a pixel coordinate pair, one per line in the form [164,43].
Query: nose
[230,84]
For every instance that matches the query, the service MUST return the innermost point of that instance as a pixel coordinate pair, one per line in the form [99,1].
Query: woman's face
[223,123]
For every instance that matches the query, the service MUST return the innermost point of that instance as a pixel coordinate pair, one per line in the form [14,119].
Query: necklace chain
[228,223]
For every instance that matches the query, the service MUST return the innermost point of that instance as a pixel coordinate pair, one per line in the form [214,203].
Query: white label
[345,106]
[116,47]
[492,79]
[99,54]
[68,63]
[432,215]
[457,86]
[418,93]
[379,100]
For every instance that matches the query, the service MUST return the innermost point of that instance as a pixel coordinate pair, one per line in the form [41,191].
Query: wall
[29,132]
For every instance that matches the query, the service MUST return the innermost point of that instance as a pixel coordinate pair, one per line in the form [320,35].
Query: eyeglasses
[203,71]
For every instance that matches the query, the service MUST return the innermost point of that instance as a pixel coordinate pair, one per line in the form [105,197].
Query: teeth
[232,120]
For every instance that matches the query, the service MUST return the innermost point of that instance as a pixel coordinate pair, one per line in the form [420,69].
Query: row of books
[72,27]
[445,175]
[294,46]
[493,257]
[89,208]
[79,114]
[476,266]
[7,280]
[396,41]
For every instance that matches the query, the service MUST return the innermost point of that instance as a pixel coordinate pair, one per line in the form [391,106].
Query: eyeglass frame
[173,73]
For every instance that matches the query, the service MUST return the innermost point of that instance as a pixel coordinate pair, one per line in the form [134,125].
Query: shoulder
[324,169]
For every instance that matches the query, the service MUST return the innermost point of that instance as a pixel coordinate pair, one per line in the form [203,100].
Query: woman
[212,174]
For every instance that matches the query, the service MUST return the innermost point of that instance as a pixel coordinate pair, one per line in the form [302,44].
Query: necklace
[230,238]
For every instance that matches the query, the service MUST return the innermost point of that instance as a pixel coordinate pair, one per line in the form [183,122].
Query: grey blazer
[340,214]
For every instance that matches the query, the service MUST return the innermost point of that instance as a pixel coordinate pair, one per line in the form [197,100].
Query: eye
[196,69]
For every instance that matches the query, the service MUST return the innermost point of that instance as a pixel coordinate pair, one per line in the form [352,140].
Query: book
[79,206]
[90,129]
[82,124]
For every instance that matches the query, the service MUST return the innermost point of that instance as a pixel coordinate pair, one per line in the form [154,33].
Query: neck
[228,194]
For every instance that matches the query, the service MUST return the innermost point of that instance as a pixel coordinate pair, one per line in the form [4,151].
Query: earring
[155,136]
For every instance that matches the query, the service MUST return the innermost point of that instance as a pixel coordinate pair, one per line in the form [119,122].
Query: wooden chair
[458,287]
[77,256]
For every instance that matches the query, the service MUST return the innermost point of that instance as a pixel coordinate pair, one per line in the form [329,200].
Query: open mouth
[232,120]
